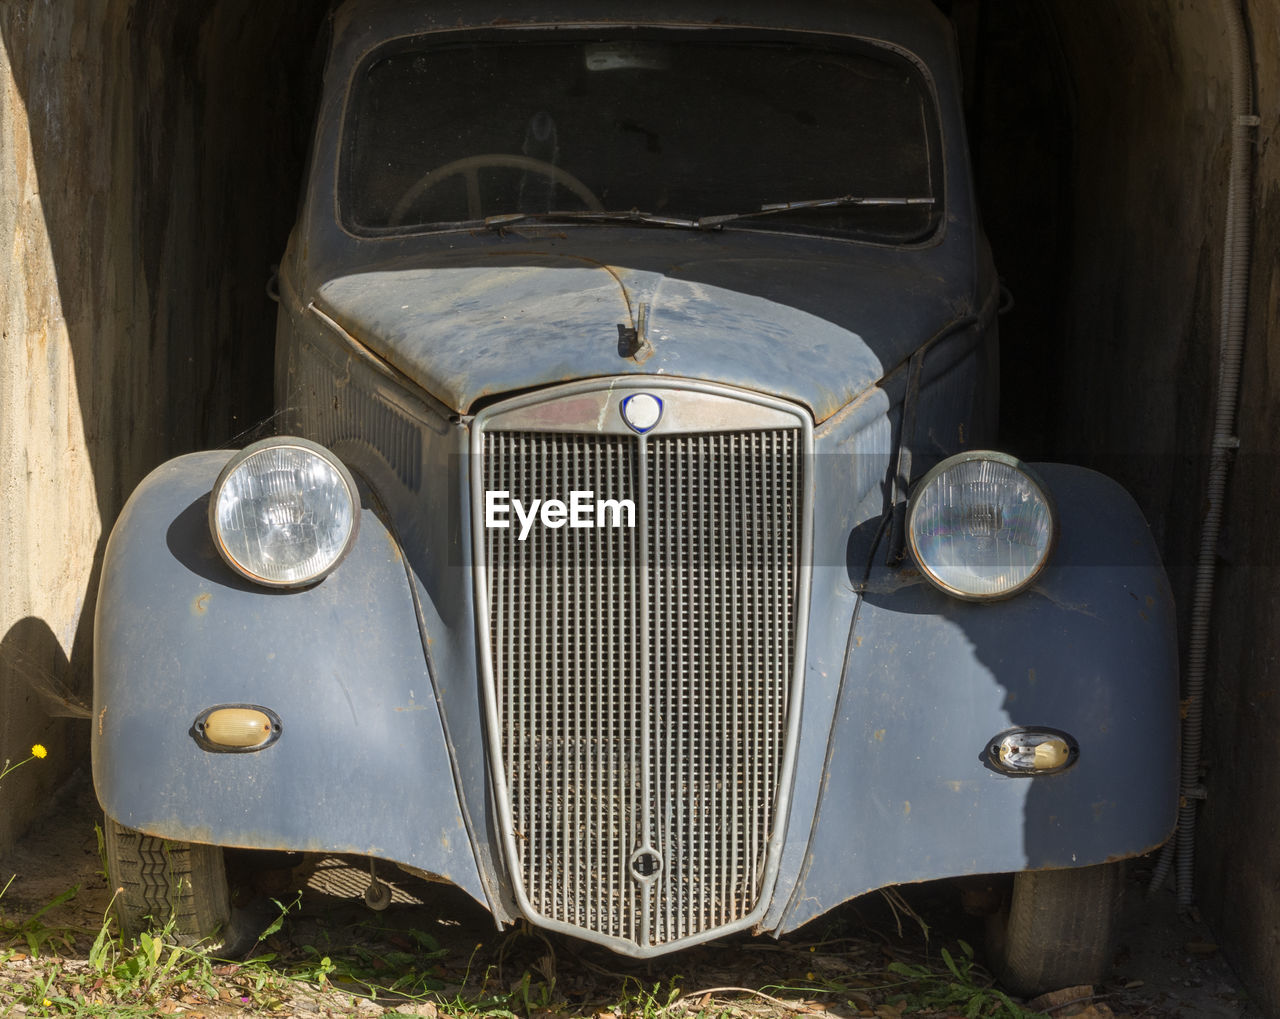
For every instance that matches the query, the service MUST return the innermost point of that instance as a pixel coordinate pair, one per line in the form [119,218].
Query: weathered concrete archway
[150,153]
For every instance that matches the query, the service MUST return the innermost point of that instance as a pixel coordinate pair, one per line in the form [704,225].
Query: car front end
[682,592]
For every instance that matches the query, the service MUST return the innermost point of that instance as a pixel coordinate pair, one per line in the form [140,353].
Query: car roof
[914,25]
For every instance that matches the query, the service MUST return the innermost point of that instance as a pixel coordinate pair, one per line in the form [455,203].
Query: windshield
[673,128]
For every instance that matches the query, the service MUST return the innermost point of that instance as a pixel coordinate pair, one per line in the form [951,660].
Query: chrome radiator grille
[641,675]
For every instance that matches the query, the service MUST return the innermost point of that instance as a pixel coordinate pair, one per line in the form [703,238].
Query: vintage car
[634,556]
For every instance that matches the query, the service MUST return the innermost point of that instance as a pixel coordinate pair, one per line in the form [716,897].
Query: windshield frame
[755,220]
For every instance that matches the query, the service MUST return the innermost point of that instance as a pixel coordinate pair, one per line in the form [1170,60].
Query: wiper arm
[702,222]
[813,203]
[629,216]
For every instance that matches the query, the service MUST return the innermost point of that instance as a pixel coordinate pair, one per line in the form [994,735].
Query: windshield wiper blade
[629,216]
[814,203]
[702,222]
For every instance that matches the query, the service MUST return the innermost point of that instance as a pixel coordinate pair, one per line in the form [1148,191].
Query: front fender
[361,764]
[928,681]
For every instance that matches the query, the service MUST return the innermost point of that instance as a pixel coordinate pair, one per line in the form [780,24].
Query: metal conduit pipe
[1231,328]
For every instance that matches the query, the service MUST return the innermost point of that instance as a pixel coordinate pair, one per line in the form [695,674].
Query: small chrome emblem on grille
[641,412]
[646,863]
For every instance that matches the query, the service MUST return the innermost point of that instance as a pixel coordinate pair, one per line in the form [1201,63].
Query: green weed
[964,988]
[639,1001]
[37,935]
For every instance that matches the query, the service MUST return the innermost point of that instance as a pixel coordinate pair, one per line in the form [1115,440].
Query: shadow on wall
[154,155]
[34,671]
[32,659]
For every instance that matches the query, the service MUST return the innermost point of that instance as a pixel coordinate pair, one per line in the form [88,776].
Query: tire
[159,880]
[1057,929]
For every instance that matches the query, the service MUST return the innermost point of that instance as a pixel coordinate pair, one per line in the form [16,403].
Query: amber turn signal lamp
[236,728]
[1032,751]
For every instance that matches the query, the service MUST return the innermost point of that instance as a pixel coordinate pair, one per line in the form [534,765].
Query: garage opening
[151,154]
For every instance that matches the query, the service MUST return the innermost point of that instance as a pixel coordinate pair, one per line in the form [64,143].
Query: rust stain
[858,641]
[906,808]
[878,735]
[101,715]
[395,549]
[201,604]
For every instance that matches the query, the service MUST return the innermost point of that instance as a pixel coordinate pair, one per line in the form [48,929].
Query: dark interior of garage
[169,141]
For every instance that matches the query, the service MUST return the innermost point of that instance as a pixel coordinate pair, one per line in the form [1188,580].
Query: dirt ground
[443,954]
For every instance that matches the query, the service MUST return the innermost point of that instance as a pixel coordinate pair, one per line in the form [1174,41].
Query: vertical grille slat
[620,735]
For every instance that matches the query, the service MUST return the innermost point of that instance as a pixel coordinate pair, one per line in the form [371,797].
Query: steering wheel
[469,168]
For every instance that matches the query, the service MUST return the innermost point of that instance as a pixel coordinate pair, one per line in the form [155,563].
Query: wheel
[159,880]
[470,166]
[1057,928]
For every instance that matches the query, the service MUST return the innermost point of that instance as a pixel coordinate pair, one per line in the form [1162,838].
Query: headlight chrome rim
[344,487]
[1041,491]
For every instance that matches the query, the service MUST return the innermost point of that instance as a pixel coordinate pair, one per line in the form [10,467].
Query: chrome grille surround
[619,826]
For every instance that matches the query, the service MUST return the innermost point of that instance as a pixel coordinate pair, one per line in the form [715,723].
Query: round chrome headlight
[980,525]
[284,512]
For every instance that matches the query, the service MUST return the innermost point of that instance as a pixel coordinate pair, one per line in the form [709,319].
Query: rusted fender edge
[360,765]
[909,793]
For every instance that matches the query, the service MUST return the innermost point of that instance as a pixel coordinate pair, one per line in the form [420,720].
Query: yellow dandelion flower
[39,751]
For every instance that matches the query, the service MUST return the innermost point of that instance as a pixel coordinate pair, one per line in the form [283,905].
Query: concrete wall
[70,304]
[1126,371]
[1151,94]
[1239,843]
[149,158]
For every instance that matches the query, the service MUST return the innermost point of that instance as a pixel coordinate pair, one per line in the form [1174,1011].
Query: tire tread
[160,880]
[1058,930]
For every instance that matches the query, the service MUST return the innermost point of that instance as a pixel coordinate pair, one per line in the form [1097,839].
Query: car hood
[817,332]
